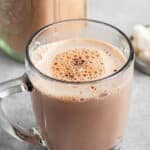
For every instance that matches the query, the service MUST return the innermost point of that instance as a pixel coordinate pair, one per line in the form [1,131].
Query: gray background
[124,14]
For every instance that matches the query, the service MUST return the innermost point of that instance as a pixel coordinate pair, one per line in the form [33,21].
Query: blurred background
[121,13]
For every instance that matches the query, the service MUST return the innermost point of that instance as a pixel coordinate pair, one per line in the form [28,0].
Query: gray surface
[123,13]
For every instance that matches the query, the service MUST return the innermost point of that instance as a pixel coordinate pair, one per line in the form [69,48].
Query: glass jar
[20,19]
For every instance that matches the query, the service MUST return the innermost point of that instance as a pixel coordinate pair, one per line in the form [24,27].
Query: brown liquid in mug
[86,116]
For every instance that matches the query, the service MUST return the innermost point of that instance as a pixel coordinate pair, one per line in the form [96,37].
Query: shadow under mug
[97,124]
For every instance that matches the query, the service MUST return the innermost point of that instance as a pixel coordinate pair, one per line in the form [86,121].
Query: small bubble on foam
[93,88]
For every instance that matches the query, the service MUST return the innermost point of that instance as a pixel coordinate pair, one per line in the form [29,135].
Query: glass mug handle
[11,87]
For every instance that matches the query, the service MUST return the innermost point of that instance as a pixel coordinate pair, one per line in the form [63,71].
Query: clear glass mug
[64,126]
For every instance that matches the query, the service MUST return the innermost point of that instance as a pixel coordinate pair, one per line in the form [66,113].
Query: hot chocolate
[78,110]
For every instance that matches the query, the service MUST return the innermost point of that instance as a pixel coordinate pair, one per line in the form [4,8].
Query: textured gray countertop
[124,14]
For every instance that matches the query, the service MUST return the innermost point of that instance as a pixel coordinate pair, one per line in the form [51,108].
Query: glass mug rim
[122,69]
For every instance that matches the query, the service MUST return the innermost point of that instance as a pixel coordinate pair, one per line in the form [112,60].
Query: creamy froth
[78,59]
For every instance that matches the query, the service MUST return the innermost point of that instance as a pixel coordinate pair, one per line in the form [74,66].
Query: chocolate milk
[83,112]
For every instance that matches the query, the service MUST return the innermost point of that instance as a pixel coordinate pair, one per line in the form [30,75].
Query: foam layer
[78,60]
[78,65]
[103,60]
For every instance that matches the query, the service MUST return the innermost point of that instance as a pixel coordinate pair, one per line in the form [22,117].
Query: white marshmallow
[145,55]
[141,35]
